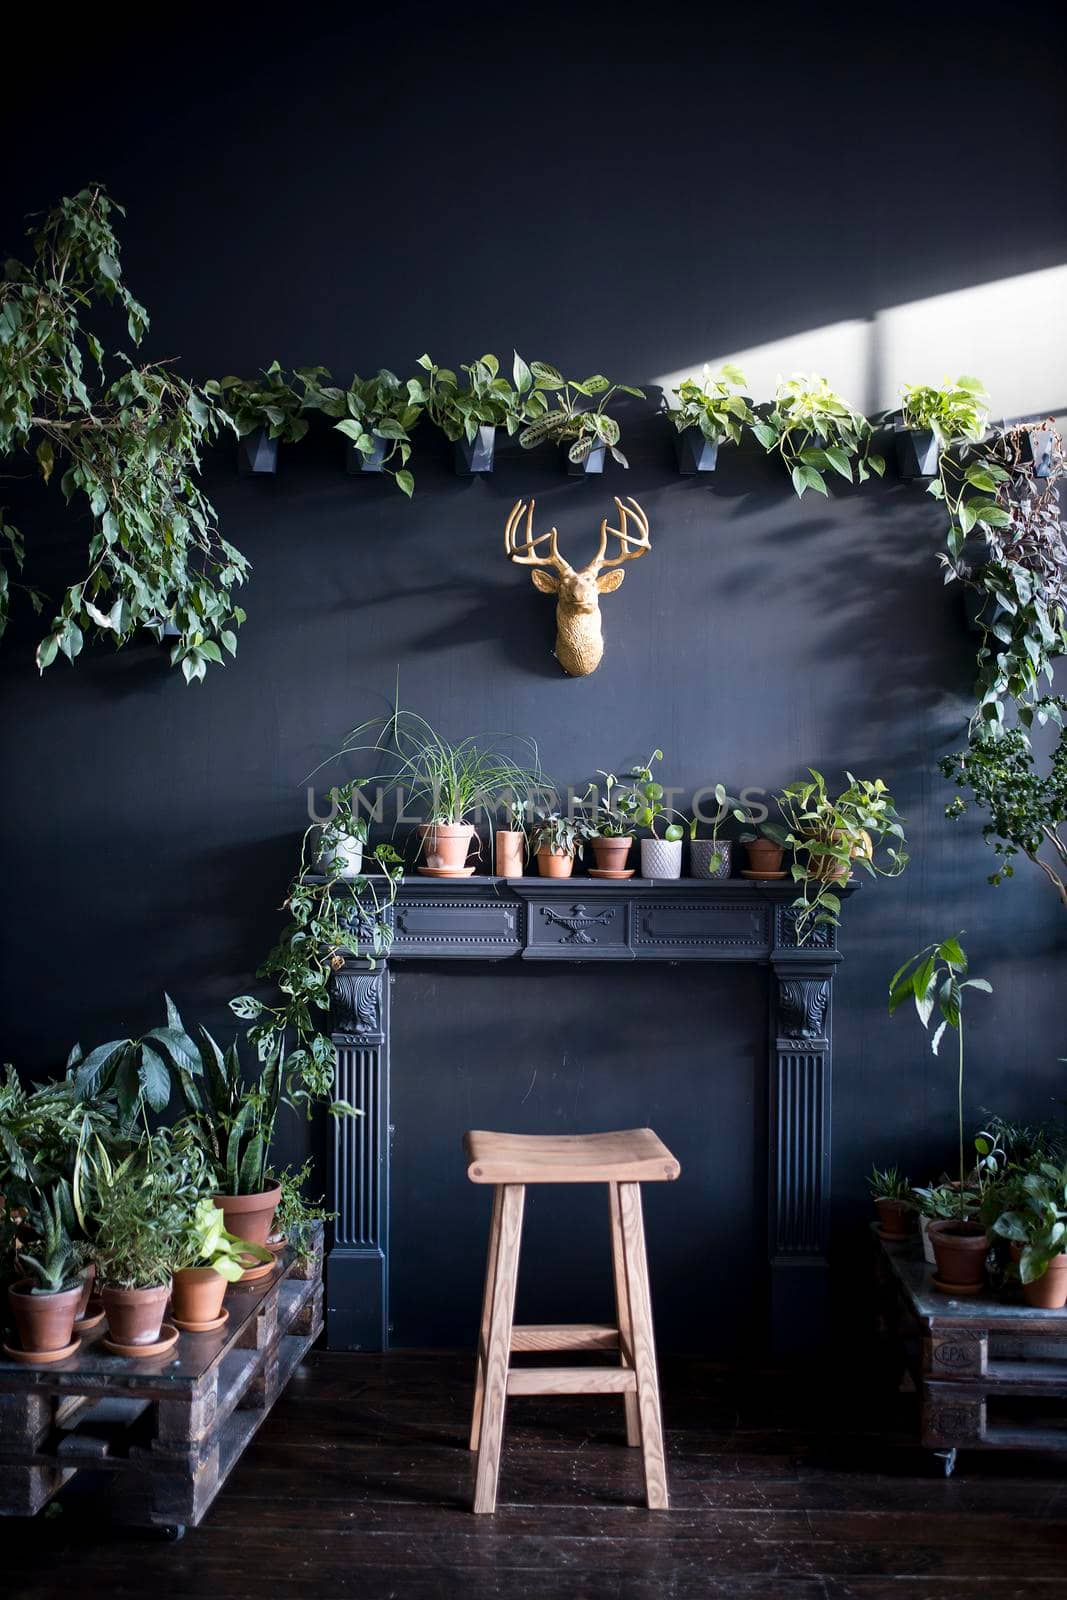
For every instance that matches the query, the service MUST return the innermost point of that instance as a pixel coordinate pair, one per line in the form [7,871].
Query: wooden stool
[623,1161]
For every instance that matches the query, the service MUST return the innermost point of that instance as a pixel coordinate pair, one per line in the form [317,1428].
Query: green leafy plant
[128,447]
[645,804]
[44,1134]
[888,1184]
[232,1119]
[559,833]
[296,1216]
[571,416]
[139,1220]
[138,1072]
[942,1202]
[830,836]
[269,402]
[328,918]
[815,431]
[1027,808]
[485,399]
[936,979]
[52,1257]
[369,411]
[1039,1221]
[727,807]
[203,1241]
[957,411]
[714,405]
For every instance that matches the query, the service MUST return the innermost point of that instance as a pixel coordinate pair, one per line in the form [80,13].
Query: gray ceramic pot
[256,454]
[710,858]
[661,858]
[375,462]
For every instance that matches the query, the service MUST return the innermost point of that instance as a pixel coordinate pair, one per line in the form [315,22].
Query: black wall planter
[694,452]
[917,452]
[355,463]
[477,455]
[257,454]
[593,462]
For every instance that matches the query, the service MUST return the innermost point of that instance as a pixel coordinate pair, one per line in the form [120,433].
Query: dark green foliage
[815,431]
[138,1072]
[268,401]
[51,1257]
[127,446]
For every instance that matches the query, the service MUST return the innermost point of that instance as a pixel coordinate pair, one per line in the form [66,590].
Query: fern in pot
[45,1300]
[138,1226]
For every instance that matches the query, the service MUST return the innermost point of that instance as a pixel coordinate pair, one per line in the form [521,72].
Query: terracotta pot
[1049,1292]
[198,1294]
[249,1216]
[88,1278]
[135,1316]
[894,1218]
[510,853]
[44,1321]
[612,854]
[555,863]
[445,845]
[826,870]
[764,855]
[960,1249]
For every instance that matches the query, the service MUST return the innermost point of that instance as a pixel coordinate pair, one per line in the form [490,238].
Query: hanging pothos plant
[129,445]
[331,919]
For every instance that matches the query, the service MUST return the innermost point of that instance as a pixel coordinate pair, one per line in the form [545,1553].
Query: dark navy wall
[627,198]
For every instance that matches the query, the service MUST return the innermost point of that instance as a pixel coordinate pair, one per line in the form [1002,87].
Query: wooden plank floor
[359,1485]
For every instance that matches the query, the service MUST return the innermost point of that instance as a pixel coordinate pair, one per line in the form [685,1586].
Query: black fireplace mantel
[592,920]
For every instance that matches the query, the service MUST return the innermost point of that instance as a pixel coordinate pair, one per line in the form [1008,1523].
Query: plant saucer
[447,872]
[956,1290]
[202,1327]
[40,1358]
[896,1238]
[167,1340]
[766,877]
[93,1317]
[260,1269]
[277,1243]
[612,872]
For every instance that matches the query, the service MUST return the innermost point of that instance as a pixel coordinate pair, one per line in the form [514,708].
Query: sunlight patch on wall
[1011,333]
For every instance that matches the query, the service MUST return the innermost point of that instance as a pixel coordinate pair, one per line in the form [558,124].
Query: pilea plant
[714,405]
[587,425]
[815,431]
[128,446]
[486,399]
[330,917]
[268,402]
[830,836]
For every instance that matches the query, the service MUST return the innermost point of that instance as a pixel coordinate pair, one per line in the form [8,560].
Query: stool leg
[498,1354]
[644,1350]
[622,1311]
[487,1308]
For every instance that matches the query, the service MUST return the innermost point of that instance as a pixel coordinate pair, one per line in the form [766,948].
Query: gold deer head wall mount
[579,637]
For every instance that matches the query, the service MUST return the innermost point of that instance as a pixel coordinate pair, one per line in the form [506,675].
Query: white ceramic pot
[661,858]
[348,852]
[928,1249]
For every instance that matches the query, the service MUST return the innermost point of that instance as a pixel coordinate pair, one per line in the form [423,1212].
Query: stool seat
[633,1155]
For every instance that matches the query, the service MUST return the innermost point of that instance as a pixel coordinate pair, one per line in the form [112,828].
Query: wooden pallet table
[168,1430]
[991,1371]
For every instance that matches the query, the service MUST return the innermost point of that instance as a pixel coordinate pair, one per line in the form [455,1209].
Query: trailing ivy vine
[128,445]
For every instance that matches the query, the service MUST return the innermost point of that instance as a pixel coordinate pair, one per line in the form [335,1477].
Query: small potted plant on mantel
[764,855]
[609,828]
[936,979]
[342,840]
[660,857]
[707,414]
[510,843]
[713,858]
[265,412]
[45,1301]
[557,842]
[892,1196]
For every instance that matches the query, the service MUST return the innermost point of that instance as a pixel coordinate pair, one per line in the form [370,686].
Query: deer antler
[631,545]
[524,552]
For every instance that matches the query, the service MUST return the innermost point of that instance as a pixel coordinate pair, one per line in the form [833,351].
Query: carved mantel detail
[356,1006]
[802,1007]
